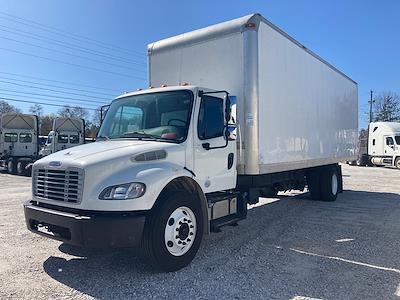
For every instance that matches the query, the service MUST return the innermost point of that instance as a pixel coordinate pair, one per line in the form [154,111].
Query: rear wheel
[11,166]
[329,184]
[397,163]
[21,167]
[313,182]
[173,232]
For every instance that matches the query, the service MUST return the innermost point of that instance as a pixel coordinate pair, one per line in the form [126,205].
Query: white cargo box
[294,110]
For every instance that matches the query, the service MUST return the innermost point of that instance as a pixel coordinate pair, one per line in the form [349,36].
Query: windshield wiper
[137,134]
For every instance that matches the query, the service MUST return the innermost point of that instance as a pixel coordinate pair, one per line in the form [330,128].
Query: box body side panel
[308,112]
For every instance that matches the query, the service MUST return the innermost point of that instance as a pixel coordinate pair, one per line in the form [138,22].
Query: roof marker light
[151,87]
[164,85]
[250,25]
[184,84]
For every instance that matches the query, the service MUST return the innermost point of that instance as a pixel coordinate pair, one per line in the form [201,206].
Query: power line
[71,64]
[68,45]
[57,86]
[67,34]
[63,82]
[51,90]
[42,103]
[40,98]
[71,54]
[53,96]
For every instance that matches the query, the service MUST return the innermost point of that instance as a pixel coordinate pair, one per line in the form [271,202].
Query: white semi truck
[381,146]
[67,132]
[18,141]
[234,111]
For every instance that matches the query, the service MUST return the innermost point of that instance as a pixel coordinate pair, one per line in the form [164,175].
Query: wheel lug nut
[177,237]
[191,226]
[188,240]
[170,244]
[184,243]
[177,229]
[189,221]
[191,233]
[179,242]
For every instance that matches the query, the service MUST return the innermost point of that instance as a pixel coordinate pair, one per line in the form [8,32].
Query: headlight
[123,191]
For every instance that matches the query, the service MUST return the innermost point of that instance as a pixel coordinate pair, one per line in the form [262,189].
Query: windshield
[163,116]
[397,138]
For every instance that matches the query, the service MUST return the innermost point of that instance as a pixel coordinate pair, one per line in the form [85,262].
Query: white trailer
[242,110]
[66,133]
[18,141]
[384,144]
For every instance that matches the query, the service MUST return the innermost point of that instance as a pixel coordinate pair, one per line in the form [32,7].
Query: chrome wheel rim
[180,231]
[19,168]
[334,184]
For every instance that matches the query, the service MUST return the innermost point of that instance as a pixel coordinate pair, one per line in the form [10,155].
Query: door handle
[230,160]
[206,146]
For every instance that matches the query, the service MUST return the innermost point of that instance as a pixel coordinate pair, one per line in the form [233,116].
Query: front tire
[173,231]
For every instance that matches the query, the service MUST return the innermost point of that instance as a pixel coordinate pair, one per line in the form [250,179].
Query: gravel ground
[287,248]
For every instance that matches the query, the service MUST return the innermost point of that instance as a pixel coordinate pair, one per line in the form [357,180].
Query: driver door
[214,158]
[389,146]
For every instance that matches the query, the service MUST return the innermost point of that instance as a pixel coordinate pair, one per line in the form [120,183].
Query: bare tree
[73,112]
[5,107]
[37,110]
[387,107]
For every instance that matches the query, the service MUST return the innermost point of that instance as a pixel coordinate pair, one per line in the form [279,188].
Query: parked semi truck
[380,146]
[66,133]
[20,142]
[234,111]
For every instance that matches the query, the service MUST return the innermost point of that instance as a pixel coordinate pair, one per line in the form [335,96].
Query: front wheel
[173,232]
[397,163]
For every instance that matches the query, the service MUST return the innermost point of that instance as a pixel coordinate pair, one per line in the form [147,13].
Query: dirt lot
[287,248]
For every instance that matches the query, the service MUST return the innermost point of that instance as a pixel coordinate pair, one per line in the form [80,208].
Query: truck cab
[384,143]
[152,155]
[66,133]
[18,141]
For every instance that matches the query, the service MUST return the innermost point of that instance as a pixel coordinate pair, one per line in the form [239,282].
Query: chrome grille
[58,185]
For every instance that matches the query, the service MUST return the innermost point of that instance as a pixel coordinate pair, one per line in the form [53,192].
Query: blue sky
[361,38]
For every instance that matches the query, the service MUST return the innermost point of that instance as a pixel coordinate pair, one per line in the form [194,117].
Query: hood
[106,150]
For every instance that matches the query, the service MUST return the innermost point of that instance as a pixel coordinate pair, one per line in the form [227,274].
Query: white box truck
[240,110]
[18,141]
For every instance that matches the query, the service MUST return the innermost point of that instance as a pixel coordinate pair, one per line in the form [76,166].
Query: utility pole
[370,107]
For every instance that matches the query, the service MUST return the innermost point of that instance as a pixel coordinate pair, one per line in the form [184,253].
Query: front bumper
[83,228]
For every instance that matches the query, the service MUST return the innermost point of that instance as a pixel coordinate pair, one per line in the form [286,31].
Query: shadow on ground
[287,248]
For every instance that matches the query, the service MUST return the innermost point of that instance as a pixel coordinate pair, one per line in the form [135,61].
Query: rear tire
[329,184]
[21,168]
[313,182]
[176,219]
[11,166]
[397,163]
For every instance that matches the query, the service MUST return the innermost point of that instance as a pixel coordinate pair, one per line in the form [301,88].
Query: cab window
[389,141]
[25,138]
[74,139]
[10,137]
[211,118]
[63,138]
[397,138]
